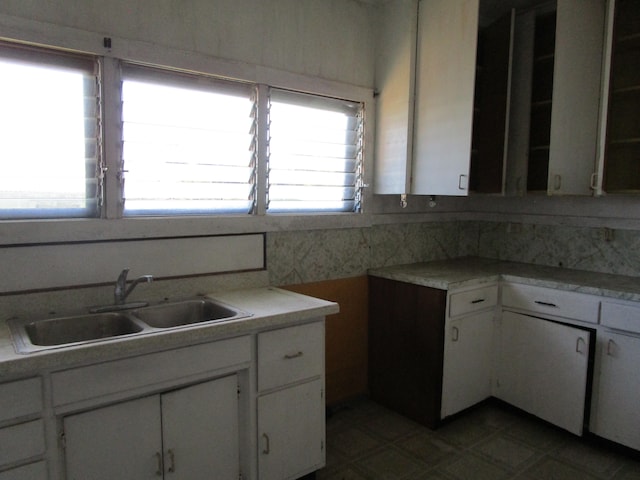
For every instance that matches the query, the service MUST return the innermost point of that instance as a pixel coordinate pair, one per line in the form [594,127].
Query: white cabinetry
[189,433]
[542,368]
[615,413]
[429,152]
[22,435]
[468,349]
[291,423]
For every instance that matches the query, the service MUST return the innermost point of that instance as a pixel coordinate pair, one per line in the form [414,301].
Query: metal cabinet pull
[159,459]
[455,334]
[610,345]
[580,340]
[462,182]
[267,447]
[557,182]
[546,304]
[289,356]
[172,461]
[478,300]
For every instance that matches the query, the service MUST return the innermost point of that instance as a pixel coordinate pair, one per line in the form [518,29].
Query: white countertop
[472,271]
[269,308]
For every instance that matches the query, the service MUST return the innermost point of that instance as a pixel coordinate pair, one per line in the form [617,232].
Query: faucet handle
[122,278]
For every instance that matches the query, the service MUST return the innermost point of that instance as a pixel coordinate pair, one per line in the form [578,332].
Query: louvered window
[315,153]
[49,134]
[188,144]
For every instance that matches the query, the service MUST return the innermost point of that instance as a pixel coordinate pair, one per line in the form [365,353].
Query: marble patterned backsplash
[295,257]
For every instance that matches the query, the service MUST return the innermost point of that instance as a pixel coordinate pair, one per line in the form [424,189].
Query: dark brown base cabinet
[406,347]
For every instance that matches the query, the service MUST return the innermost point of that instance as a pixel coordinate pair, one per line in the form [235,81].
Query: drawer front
[549,301]
[22,441]
[621,316]
[129,374]
[21,398]
[473,300]
[290,354]
[33,471]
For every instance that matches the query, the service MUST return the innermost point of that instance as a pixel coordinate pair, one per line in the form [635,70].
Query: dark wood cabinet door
[406,344]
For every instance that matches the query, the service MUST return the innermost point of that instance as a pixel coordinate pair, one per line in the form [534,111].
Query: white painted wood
[200,431]
[290,354]
[138,373]
[577,82]
[621,316]
[395,83]
[615,414]
[20,398]
[47,266]
[291,432]
[548,301]
[121,441]
[21,442]
[474,300]
[520,112]
[33,471]
[445,85]
[543,369]
[468,362]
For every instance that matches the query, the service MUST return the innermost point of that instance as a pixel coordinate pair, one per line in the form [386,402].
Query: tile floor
[490,442]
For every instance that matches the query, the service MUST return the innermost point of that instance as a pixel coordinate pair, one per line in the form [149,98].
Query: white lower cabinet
[543,368]
[189,433]
[291,426]
[291,408]
[615,412]
[468,362]
[33,471]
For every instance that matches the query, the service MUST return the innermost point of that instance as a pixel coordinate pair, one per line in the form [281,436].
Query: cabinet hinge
[238,391]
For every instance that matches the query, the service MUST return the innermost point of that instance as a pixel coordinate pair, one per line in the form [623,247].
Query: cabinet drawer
[290,354]
[621,316]
[33,471]
[548,301]
[473,300]
[21,398]
[22,441]
[128,374]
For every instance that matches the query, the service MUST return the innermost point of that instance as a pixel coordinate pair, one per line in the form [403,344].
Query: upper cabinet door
[445,84]
[577,80]
[395,83]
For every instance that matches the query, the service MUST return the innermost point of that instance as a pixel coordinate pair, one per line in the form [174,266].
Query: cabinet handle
[546,304]
[172,461]
[290,356]
[455,334]
[478,300]
[160,468]
[557,182]
[462,182]
[594,181]
[267,446]
[578,342]
[610,345]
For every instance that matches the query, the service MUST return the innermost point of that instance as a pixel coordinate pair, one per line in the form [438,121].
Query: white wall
[331,39]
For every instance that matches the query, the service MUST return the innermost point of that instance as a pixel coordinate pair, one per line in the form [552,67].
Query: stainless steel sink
[186,312]
[32,336]
[65,331]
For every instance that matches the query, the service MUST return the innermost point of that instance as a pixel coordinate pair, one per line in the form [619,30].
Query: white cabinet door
[615,412]
[122,441]
[542,369]
[200,431]
[190,433]
[33,471]
[445,86]
[468,360]
[291,432]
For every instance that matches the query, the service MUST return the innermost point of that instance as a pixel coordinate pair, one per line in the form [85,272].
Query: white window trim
[82,41]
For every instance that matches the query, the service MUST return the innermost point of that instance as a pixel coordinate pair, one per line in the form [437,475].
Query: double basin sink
[32,336]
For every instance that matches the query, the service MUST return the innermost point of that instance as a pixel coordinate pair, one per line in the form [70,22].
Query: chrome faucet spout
[121,291]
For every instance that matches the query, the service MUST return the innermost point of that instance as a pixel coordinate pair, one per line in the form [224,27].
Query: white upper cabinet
[445,85]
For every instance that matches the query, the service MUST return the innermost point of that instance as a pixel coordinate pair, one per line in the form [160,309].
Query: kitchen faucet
[121,291]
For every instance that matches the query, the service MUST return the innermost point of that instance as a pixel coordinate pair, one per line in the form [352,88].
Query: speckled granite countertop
[269,308]
[472,271]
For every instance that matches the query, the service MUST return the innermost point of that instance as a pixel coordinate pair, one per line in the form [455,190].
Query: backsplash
[316,255]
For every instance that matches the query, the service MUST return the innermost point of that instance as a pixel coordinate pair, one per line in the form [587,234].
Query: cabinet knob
[267,447]
[159,460]
[611,347]
[578,343]
[455,334]
[172,461]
